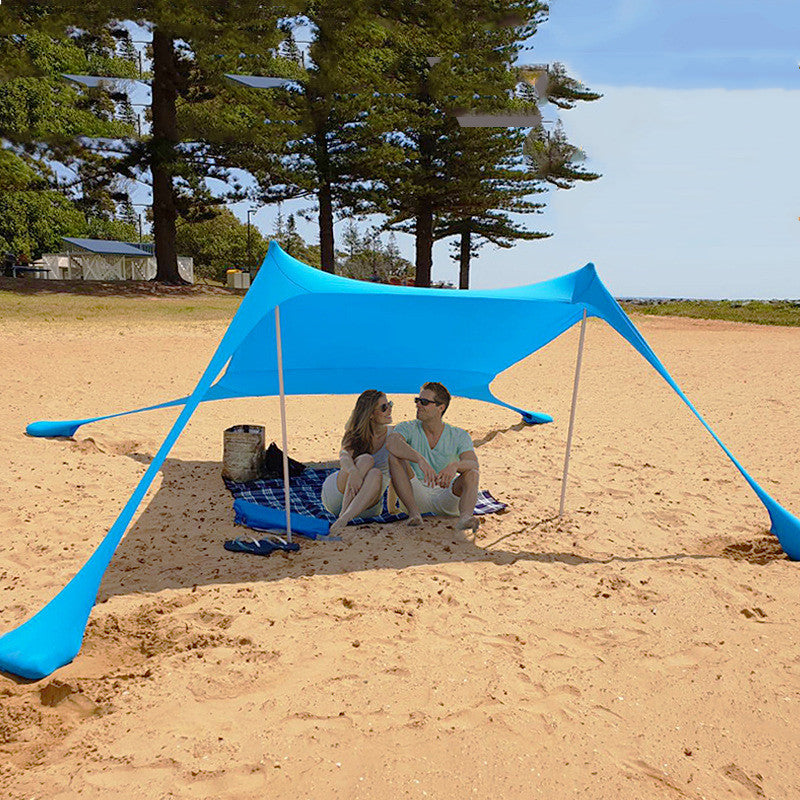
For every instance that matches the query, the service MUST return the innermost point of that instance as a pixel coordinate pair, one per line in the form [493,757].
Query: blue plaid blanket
[305,491]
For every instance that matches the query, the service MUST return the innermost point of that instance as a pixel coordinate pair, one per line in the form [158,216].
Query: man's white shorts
[434,499]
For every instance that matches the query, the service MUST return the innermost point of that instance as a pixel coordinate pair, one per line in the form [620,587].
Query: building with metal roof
[108,260]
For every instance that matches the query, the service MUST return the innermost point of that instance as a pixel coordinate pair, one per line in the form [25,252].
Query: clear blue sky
[696,137]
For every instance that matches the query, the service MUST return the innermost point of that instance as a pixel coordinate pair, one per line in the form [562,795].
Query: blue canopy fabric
[322,356]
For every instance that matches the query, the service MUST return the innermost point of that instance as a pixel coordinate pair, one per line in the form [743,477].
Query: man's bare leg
[399,469]
[465,486]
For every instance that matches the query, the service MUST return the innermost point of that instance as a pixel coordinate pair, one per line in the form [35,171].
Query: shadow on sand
[176,542]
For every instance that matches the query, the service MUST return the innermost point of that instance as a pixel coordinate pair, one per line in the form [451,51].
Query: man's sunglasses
[423,401]
[384,407]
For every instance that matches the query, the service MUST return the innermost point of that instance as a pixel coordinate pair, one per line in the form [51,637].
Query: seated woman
[356,489]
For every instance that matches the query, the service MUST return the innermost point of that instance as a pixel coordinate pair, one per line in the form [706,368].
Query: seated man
[433,465]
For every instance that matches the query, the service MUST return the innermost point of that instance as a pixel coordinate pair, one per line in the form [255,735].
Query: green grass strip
[759,312]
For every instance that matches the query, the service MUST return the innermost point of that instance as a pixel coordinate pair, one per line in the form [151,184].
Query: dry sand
[645,646]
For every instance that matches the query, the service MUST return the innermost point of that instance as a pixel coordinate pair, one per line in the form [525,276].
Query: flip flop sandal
[260,547]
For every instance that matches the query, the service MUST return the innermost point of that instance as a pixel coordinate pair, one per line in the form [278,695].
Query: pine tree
[191,49]
[471,67]
[285,233]
[127,50]
[320,141]
[41,119]
[368,258]
[488,183]
[128,214]
[289,49]
[351,240]
[553,159]
[452,180]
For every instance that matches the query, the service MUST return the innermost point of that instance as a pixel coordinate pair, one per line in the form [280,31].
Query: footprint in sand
[87,445]
[67,698]
[639,767]
[762,550]
[736,773]
[572,648]
[691,656]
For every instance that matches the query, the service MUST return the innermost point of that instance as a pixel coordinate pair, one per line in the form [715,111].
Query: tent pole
[283,423]
[572,415]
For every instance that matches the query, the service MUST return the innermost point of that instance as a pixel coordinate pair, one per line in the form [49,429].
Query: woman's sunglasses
[384,407]
[422,401]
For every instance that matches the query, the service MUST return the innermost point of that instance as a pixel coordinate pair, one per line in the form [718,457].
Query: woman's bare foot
[348,535]
[469,523]
[415,519]
[337,527]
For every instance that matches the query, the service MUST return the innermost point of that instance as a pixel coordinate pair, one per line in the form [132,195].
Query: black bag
[273,464]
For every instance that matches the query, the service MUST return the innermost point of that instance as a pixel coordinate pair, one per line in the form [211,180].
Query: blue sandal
[260,547]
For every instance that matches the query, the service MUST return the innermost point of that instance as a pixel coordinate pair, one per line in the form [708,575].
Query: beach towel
[304,498]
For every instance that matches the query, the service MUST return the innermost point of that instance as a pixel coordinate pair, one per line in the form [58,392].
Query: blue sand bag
[265,519]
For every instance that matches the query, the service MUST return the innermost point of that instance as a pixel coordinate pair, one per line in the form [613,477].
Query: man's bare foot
[469,523]
[337,527]
[415,519]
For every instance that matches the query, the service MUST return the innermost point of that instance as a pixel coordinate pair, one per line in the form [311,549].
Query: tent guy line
[509,324]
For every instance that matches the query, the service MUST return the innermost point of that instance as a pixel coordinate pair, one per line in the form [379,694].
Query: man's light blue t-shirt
[451,445]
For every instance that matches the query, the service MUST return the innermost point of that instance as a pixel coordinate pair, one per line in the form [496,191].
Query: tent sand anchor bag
[242,452]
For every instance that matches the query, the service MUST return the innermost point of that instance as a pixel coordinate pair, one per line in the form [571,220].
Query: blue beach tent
[521,320]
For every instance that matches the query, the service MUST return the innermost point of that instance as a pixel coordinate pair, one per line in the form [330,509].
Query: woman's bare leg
[363,465]
[367,496]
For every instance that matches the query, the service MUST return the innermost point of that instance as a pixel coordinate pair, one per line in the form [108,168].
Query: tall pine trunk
[463,271]
[424,218]
[423,242]
[324,196]
[162,144]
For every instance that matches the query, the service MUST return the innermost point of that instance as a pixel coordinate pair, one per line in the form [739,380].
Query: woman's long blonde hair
[360,428]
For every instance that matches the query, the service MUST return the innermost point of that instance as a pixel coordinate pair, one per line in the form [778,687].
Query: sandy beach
[644,646]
